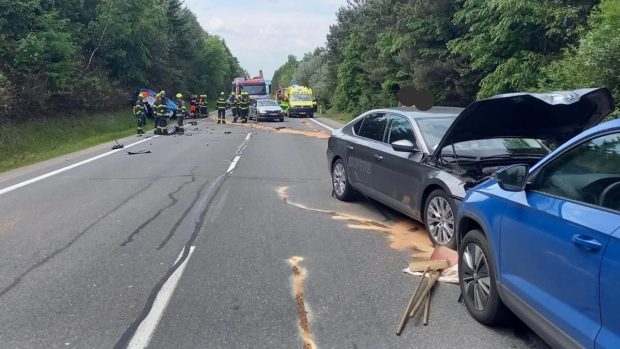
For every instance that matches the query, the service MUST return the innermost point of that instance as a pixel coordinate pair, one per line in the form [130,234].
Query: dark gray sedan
[421,163]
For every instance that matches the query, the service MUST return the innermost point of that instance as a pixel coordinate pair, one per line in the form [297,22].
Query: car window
[433,129]
[400,128]
[589,173]
[266,103]
[374,126]
[357,126]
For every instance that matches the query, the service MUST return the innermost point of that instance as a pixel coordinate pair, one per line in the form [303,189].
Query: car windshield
[433,130]
[254,89]
[300,98]
[266,103]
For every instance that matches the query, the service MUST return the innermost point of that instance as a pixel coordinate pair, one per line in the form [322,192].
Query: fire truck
[256,87]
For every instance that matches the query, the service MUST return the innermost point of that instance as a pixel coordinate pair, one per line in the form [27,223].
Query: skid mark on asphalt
[173,201]
[197,213]
[176,225]
[299,276]
[403,235]
[313,134]
[19,278]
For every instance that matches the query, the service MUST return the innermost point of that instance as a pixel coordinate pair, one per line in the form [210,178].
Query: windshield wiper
[459,156]
[512,156]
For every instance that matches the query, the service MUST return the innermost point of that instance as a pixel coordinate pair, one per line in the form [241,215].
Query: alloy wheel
[440,220]
[476,276]
[339,179]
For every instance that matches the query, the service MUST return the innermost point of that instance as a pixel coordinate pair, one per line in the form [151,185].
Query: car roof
[434,112]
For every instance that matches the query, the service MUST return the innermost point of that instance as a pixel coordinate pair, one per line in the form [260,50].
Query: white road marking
[145,331]
[67,168]
[321,124]
[233,164]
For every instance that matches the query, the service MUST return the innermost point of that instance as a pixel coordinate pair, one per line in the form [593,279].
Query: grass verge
[341,117]
[33,141]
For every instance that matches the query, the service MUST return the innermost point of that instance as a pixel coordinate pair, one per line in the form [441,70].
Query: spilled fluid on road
[299,276]
[403,235]
[315,133]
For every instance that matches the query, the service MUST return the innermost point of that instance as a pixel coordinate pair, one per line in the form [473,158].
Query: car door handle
[378,157]
[350,147]
[586,242]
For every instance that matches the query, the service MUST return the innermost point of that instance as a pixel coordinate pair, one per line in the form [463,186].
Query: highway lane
[177,249]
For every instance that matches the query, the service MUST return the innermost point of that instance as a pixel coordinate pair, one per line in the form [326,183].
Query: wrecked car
[421,163]
[567,206]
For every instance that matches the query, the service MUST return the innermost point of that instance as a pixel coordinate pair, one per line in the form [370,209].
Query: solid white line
[321,124]
[233,164]
[61,170]
[247,138]
[144,333]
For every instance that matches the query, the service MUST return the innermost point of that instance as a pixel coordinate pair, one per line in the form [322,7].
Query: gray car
[421,163]
[266,109]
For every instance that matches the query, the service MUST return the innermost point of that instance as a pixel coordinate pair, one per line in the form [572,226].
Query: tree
[595,60]
[283,76]
[509,41]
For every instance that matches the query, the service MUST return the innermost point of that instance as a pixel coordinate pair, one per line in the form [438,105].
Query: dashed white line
[67,168]
[247,138]
[144,333]
[233,164]
[321,124]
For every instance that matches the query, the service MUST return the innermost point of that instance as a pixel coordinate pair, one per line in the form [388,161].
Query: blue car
[544,242]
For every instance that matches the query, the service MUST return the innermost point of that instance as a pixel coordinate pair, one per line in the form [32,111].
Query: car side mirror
[512,178]
[404,145]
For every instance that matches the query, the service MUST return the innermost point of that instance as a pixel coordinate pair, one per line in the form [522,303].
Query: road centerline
[144,333]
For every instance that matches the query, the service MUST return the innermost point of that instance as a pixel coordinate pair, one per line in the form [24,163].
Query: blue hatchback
[545,243]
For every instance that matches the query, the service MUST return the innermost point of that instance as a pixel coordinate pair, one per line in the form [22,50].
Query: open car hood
[555,116]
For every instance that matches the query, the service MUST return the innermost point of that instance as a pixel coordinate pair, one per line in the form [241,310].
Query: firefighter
[139,111]
[238,105]
[181,112]
[231,103]
[244,106]
[204,110]
[193,105]
[221,108]
[160,114]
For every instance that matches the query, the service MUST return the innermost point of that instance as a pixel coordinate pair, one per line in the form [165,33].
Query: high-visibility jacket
[139,108]
[221,103]
[181,104]
[203,102]
[244,103]
[160,108]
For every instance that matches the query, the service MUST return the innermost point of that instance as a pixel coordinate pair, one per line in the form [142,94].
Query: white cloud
[262,33]
[215,23]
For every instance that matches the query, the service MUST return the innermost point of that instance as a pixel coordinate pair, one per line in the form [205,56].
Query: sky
[262,33]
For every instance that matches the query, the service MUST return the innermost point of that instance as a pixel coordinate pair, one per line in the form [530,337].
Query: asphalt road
[227,237]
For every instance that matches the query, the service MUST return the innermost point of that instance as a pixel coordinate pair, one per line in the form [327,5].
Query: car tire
[477,280]
[311,115]
[439,219]
[340,183]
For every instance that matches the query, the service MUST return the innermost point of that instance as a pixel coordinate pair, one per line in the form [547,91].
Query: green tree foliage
[509,41]
[283,76]
[92,54]
[460,50]
[595,60]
